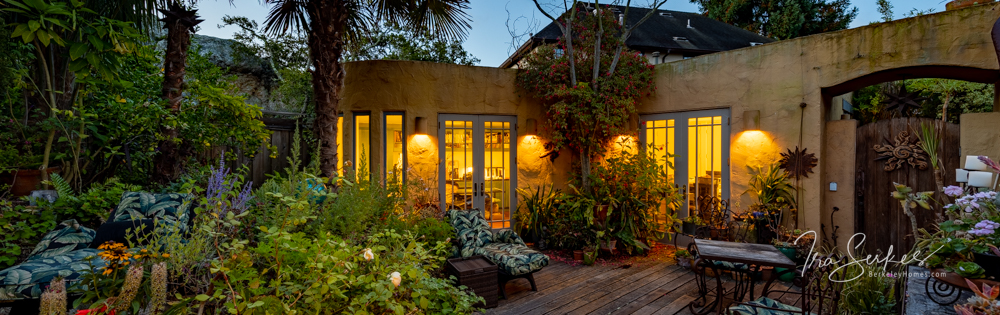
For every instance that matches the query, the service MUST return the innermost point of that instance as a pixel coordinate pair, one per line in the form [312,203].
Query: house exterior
[666,36]
[469,132]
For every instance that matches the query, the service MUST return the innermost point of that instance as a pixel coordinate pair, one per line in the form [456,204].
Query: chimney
[689,23]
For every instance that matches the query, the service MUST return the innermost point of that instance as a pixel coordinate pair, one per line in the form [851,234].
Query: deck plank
[648,286]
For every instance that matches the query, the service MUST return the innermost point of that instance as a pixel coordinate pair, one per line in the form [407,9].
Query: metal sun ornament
[798,163]
[903,102]
[904,150]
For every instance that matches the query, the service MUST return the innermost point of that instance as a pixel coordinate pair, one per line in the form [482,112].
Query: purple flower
[953,191]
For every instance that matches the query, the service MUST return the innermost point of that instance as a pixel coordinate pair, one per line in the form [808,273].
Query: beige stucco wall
[773,78]
[839,149]
[980,135]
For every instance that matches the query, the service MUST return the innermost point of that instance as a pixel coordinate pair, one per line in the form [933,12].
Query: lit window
[340,145]
[362,144]
[395,147]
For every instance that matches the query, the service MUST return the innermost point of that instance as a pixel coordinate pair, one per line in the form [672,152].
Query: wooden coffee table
[747,260]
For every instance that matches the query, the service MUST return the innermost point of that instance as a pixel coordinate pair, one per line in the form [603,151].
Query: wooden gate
[877,214]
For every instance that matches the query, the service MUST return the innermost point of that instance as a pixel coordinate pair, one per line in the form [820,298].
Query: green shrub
[869,289]
[21,228]
[90,208]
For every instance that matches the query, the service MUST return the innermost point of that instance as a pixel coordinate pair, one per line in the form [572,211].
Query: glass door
[478,169]
[697,145]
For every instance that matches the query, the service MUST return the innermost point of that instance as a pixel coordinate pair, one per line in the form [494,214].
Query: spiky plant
[158,289]
[54,299]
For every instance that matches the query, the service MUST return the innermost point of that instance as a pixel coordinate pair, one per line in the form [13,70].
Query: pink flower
[953,191]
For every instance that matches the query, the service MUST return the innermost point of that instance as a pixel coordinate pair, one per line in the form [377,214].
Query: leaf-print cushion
[172,209]
[755,307]
[514,259]
[508,236]
[29,279]
[67,237]
[471,229]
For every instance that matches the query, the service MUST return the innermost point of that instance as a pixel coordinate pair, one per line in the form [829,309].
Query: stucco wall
[980,135]
[774,78]
[424,89]
[839,149]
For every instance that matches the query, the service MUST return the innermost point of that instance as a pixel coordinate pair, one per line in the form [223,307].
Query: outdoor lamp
[420,127]
[531,127]
[973,163]
[980,179]
[961,175]
[751,120]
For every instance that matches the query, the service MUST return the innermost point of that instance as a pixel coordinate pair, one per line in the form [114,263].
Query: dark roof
[665,30]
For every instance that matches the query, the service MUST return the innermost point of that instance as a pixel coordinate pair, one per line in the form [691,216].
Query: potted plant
[690,224]
[683,258]
[534,212]
[773,193]
[589,255]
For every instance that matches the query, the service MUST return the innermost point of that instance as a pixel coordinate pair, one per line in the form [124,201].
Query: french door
[478,167]
[696,144]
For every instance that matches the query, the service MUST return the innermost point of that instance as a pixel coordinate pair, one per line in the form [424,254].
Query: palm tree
[330,24]
[179,23]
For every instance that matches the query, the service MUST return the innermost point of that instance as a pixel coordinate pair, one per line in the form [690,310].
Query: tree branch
[597,45]
[652,10]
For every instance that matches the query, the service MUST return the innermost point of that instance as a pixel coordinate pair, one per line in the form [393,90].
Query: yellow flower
[165,255]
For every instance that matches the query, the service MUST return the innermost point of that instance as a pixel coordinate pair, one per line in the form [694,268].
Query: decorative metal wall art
[905,150]
[798,163]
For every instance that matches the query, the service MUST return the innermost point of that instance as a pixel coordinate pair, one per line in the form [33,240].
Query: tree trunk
[944,109]
[585,169]
[326,46]
[167,165]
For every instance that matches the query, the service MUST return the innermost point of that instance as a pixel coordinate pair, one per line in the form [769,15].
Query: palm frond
[445,18]
[286,15]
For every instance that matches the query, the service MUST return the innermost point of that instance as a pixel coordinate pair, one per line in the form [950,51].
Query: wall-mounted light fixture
[751,120]
[531,127]
[420,127]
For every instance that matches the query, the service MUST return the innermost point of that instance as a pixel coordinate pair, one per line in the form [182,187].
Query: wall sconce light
[751,120]
[531,127]
[420,127]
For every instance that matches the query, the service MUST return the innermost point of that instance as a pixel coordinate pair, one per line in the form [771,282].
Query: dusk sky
[489,38]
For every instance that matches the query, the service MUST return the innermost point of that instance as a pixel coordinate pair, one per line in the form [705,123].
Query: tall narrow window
[704,161]
[395,147]
[340,145]
[362,144]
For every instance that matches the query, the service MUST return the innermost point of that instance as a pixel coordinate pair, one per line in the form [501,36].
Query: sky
[490,39]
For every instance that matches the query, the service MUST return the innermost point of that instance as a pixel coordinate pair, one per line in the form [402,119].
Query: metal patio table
[743,261]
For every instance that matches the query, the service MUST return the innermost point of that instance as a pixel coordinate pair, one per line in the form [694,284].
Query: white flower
[368,254]
[396,279]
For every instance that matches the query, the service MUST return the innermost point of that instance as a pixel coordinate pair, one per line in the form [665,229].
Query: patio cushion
[471,228]
[515,259]
[67,237]
[509,237]
[173,209]
[750,309]
[29,279]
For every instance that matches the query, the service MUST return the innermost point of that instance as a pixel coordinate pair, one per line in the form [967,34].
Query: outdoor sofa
[62,252]
[504,248]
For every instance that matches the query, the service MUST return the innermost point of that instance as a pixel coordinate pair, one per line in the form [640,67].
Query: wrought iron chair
[821,291]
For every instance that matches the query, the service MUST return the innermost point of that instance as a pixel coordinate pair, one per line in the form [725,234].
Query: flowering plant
[116,283]
[585,114]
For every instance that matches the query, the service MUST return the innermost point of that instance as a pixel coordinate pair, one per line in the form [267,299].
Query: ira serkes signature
[869,261]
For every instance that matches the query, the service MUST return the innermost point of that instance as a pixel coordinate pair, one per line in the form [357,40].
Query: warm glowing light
[623,142]
[421,140]
[753,136]
[528,140]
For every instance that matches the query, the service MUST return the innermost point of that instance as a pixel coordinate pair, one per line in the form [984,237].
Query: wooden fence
[260,164]
[882,160]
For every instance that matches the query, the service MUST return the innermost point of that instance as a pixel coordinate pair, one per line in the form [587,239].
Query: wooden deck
[644,287]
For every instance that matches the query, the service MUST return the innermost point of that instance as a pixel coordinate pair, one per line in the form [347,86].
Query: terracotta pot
[22,182]
[578,255]
[959,4]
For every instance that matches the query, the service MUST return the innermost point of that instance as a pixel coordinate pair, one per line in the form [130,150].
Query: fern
[62,187]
